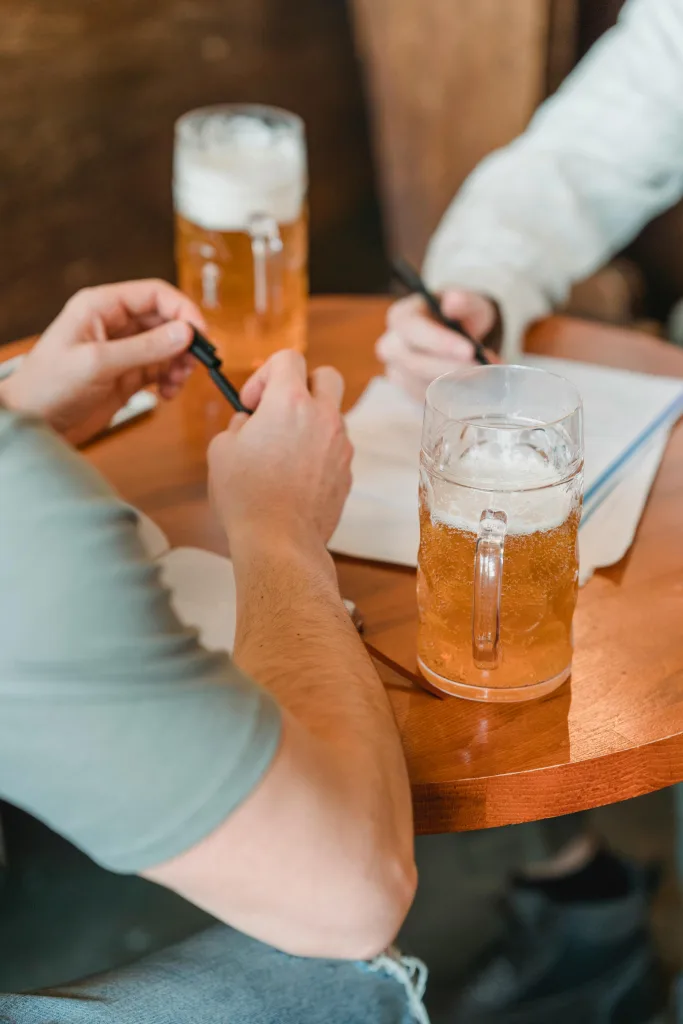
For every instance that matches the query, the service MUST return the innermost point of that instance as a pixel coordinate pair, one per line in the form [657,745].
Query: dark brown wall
[89,91]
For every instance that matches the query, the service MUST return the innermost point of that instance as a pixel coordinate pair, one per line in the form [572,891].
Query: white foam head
[519,482]
[229,167]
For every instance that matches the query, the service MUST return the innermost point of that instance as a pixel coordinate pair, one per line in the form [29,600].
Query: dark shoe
[570,963]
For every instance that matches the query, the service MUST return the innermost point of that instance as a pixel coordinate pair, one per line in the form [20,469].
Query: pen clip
[202,349]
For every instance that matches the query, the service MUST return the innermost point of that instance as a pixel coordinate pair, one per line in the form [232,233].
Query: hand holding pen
[326,388]
[409,277]
[428,335]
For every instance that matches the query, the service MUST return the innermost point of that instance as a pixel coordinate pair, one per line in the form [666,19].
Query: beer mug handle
[488,579]
[266,250]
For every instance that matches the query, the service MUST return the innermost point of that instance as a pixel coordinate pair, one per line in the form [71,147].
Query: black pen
[408,276]
[202,349]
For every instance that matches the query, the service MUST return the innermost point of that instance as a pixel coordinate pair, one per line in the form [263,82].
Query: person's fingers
[411,320]
[394,349]
[128,306]
[153,297]
[328,384]
[170,379]
[177,372]
[237,422]
[167,390]
[477,312]
[423,334]
[143,350]
[492,356]
[284,370]
[405,309]
[387,345]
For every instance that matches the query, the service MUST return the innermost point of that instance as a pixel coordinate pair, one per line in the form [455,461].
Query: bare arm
[319,859]
[142,749]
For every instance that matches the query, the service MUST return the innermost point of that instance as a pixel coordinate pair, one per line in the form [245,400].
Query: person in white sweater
[599,159]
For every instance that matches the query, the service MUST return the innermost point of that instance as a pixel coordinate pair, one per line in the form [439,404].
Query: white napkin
[203,594]
[202,585]
[380,521]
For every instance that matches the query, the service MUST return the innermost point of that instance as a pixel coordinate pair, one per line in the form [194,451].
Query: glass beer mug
[501,486]
[239,187]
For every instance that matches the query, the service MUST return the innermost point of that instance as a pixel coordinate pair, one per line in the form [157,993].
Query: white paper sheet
[380,520]
[154,540]
[203,594]
[202,586]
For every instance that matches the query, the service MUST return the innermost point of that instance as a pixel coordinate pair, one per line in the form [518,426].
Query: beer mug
[239,187]
[501,487]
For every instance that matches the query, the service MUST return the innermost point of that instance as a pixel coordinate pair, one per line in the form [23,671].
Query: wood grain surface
[614,731]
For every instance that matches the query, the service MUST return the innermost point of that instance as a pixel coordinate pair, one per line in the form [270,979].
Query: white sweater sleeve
[599,159]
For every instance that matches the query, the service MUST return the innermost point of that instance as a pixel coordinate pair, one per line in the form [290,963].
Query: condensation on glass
[239,187]
[501,486]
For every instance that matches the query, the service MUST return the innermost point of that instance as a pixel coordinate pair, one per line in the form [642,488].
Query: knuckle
[287,357]
[333,373]
[298,400]
[333,420]
[405,309]
[95,358]
[82,299]
[216,450]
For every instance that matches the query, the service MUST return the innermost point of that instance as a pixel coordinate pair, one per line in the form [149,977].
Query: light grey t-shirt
[116,728]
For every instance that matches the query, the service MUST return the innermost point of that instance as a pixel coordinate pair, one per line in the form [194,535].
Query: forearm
[295,637]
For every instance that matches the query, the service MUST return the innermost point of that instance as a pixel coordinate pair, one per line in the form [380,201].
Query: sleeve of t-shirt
[116,727]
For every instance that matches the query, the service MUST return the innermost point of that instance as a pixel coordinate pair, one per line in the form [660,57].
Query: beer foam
[521,483]
[252,168]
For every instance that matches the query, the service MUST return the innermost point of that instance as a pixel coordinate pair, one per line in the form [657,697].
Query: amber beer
[538,595]
[241,228]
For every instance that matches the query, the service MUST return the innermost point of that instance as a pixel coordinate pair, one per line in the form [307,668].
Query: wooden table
[613,732]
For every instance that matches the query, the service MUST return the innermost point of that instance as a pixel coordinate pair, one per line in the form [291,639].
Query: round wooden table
[614,731]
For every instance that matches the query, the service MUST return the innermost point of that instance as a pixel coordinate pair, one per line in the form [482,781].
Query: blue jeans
[223,977]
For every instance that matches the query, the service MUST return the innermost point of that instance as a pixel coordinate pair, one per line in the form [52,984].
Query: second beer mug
[501,486]
[239,186]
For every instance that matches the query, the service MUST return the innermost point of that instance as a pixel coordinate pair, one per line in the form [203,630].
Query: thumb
[155,346]
[283,371]
[477,312]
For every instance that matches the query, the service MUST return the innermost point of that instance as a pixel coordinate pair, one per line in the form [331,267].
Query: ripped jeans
[223,977]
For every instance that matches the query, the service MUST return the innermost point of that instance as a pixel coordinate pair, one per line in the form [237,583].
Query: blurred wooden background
[90,92]
[89,95]
[449,82]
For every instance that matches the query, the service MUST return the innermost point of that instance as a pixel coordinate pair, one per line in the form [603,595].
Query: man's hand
[286,469]
[106,344]
[415,348]
[340,878]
